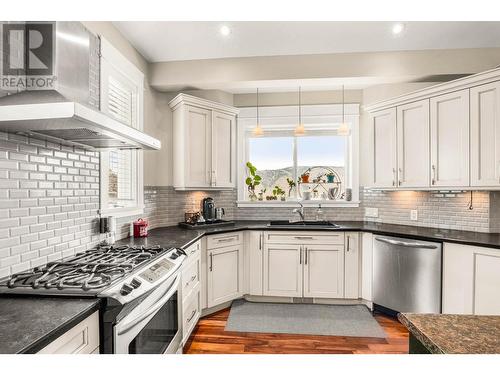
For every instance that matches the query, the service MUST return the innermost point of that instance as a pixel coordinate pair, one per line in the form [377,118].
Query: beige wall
[291,98]
[230,72]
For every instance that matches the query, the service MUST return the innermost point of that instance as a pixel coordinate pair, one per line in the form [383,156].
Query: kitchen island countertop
[454,334]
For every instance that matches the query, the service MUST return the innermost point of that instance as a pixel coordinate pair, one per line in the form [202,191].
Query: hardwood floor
[209,337]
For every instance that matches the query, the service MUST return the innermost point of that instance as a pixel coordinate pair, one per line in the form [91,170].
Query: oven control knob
[136,283]
[126,289]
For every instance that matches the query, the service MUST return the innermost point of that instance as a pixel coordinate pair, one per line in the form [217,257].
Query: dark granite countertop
[455,334]
[27,324]
[181,237]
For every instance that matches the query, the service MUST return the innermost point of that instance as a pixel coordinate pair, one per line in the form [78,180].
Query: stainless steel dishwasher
[406,275]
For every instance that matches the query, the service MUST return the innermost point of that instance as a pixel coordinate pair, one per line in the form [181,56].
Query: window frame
[320,119]
[112,61]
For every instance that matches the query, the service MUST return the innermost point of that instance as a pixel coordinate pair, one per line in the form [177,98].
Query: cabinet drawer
[190,276]
[81,339]
[193,250]
[191,313]
[223,240]
[304,237]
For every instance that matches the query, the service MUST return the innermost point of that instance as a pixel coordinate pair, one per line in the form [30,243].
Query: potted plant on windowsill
[261,194]
[305,177]
[330,177]
[252,181]
[291,185]
[278,192]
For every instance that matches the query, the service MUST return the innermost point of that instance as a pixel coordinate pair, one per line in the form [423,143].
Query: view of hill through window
[274,159]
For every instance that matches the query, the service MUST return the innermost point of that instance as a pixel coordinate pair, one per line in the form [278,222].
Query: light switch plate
[414,215]
[371,212]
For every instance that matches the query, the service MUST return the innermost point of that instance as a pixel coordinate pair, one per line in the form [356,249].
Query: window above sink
[281,157]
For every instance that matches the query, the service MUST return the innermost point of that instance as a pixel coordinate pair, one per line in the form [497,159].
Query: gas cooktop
[90,272]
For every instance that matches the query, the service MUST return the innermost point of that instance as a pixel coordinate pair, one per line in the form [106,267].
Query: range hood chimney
[68,113]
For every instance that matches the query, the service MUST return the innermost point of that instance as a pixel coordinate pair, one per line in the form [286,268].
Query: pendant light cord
[258,123]
[300,107]
[343,104]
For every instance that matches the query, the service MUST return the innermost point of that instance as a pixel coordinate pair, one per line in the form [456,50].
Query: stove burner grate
[92,269]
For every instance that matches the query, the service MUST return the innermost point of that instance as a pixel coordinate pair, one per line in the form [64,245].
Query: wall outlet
[414,215]
[371,212]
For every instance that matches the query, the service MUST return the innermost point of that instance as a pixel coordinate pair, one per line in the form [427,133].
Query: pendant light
[258,131]
[300,130]
[344,128]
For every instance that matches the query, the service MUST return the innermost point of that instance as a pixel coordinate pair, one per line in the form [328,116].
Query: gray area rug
[307,319]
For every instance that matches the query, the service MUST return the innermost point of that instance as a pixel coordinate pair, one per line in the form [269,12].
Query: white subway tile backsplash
[40,197]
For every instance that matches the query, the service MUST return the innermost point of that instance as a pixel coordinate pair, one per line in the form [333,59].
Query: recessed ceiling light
[225,30]
[398,28]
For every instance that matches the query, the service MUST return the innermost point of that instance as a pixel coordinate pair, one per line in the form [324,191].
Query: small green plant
[252,181]
[291,185]
[277,191]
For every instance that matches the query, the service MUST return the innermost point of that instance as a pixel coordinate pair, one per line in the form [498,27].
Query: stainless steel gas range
[139,287]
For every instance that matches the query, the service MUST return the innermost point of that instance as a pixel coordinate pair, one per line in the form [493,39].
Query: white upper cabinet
[413,144]
[223,144]
[204,144]
[450,139]
[448,136]
[383,128]
[485,135]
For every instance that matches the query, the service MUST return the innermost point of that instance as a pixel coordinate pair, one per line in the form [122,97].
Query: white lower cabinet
[324,271]
[471,276]
[81,339]
[311,265]
[255,259]
[366,266]
[283,270]
[224,274]
[191,311]
[352,266]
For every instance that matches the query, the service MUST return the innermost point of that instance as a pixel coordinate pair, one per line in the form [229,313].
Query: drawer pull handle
[192,279]
[303,238]
[226,239]
[192,316]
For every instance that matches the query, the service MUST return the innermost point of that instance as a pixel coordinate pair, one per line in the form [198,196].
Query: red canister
[140,228]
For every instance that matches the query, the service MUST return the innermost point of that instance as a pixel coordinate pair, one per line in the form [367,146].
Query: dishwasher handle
[407,244]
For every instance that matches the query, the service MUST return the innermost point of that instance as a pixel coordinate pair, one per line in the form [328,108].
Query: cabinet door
[413,144]
[352,266]
[283,270]
[198,148]
[471,276]
[485,135]
[224,275]
[366,266]
[383,125]
[324,271]
[223,150]
[255,251]
[450,139]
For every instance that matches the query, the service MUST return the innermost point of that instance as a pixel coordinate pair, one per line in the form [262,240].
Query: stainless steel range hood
[65,114]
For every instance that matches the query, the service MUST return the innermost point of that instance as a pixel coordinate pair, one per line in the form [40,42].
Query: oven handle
[157,306]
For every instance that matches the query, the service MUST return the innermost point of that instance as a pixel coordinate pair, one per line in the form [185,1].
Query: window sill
[294,204]
[122,211]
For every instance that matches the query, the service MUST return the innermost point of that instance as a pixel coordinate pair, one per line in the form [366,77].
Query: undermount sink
[304,223]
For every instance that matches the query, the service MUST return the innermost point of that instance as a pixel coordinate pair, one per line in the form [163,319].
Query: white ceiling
[172,41]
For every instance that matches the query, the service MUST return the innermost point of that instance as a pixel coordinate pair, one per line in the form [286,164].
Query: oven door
[153,326]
